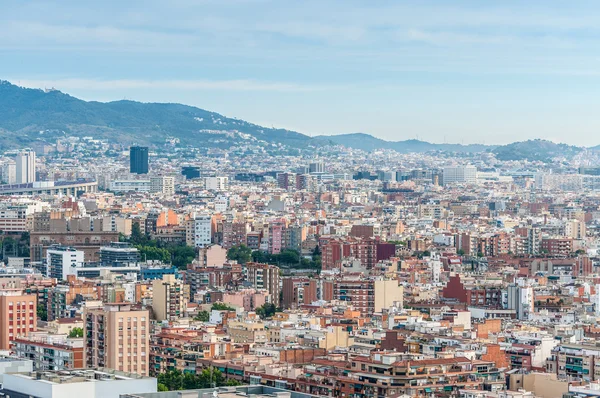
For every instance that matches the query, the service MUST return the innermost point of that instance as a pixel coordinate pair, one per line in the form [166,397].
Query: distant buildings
[138,160]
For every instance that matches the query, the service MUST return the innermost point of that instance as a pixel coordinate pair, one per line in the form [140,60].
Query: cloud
[133,84]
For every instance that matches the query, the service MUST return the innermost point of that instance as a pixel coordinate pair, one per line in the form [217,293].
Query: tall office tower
[117,337]
[25,167]
[138,159]
[316,167]
[18,316]
[169,298]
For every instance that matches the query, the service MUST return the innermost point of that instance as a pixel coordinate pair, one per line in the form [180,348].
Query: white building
[460,175]
[158,184]
[221,204]
[558,182]
[202,230]
[25,167]
[76,383]
[130,186]
[216,183]
[62,261]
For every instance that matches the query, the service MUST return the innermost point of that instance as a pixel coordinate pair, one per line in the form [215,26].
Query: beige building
[117,337]
[169,298]
[388,292]
[18,316]
[247,332]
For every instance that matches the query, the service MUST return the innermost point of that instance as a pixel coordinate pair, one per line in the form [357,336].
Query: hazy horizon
[466,72]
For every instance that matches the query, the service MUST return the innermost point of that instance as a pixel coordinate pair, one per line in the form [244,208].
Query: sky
[489,72]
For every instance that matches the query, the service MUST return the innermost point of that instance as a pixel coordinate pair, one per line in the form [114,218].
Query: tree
[161,387]
[203,316]
[181,256]
[222,307]
[242,254]
[267,310]
[460,252]
[76,332]
[42,313]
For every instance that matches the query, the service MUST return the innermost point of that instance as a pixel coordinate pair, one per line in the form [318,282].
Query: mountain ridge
[25,112]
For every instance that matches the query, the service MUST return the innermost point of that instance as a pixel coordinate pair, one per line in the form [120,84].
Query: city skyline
[473,73]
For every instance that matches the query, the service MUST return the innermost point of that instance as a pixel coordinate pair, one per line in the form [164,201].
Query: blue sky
[441,71]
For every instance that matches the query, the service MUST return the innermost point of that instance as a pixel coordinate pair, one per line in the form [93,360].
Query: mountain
[369,143]
[536,150]
[27,115]
[25,112]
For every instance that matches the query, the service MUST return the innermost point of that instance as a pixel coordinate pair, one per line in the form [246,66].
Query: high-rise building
[117,337]
[18,316]
[169,298]
[264,276]
[316,167]
[25,167]
[138,159]
[202,230]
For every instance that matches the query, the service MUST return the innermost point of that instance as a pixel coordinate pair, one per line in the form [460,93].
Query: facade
[18,316]
[138,160]
[264,276]
[89,242]
[117,337]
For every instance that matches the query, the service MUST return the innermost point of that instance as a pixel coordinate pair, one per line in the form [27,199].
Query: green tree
[161,387]
[242,254]
[42,313]
[222,307]
[267,310]
[203,316]
[76,332]
[460,252]
[182,256]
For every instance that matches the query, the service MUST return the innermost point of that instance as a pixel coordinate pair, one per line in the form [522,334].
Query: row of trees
[151,249]
[287,258]
[176,380]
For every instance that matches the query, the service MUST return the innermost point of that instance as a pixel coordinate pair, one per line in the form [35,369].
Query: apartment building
[117,337]
[264,276]
[51,352]
[18,316]
[169,298]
